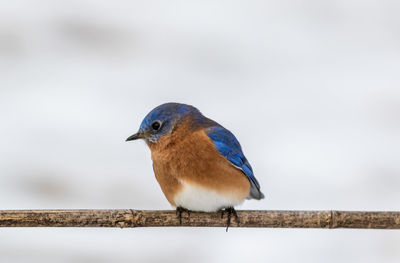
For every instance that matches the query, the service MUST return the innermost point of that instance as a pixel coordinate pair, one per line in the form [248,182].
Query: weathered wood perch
[248,218]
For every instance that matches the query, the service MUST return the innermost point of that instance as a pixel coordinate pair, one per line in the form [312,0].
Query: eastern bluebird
[198,163]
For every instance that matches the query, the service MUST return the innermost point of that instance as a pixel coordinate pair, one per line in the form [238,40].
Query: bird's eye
[156,125]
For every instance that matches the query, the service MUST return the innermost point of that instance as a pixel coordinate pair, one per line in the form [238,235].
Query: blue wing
[228,146]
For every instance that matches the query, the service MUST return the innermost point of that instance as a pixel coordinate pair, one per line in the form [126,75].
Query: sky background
[310,88]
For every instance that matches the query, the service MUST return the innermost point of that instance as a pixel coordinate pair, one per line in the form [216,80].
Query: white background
[310,88]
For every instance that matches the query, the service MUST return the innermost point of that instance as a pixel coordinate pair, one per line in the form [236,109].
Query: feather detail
[229,147]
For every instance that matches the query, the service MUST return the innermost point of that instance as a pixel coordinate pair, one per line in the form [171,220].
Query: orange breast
[191,157]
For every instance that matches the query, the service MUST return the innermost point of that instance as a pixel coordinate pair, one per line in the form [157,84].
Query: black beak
[136,136]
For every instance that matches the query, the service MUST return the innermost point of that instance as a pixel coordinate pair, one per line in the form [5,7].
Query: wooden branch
[248,218]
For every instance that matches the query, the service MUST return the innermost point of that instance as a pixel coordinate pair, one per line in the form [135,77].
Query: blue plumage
[229,147]
[163,119]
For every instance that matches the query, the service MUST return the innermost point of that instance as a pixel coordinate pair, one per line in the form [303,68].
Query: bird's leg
[179,211]
[231,211]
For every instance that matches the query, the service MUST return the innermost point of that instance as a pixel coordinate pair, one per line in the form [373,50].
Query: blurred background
[310,88]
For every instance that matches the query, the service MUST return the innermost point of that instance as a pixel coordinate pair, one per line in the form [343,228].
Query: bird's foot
[179,211]
[231,211]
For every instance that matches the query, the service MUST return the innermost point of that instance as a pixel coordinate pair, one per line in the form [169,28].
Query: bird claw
[231,211]
[179,211]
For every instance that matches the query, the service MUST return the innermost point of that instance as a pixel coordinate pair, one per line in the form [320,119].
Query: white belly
[197,198]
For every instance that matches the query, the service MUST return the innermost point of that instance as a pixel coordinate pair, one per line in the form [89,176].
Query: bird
[199,164]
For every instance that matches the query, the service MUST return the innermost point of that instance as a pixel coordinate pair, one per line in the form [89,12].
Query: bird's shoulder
[229,147]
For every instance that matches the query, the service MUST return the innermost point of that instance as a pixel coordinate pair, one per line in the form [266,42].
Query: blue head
[162,120]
